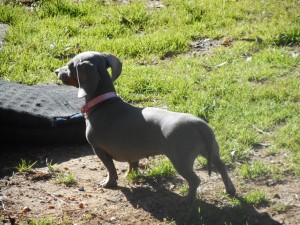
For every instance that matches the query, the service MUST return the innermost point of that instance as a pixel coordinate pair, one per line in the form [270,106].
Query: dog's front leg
[112,177]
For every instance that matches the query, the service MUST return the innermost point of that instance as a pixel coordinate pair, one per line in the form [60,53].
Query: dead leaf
[226,42]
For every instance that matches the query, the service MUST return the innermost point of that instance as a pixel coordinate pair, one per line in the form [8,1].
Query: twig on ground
[260,131]
[53,196]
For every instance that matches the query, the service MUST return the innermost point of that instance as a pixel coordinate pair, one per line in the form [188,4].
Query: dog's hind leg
[184,166]
[220,166]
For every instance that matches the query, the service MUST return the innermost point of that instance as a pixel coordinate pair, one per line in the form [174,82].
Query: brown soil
[34,195]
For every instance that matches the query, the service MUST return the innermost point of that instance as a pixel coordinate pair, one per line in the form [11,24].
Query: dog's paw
[109,183]
[231,191]
[188,199]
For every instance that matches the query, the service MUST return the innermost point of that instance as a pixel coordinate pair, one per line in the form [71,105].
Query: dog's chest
[96,131]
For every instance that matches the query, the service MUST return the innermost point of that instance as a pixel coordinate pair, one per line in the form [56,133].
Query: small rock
[112,199]
[93,168]
[3,198]
[81,188]
[80,205]
[171,187]
[259,40]
[71,198]
[295,54]
[112,219]
[143,166]
[296,196]
[276,196]
[124,169]
[26,209]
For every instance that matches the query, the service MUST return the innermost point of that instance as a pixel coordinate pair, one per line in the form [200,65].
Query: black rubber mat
[40,114]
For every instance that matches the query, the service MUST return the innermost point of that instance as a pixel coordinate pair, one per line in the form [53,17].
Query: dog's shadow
[166,205]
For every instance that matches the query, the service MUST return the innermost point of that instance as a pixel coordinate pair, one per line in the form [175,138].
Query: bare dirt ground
[31,196]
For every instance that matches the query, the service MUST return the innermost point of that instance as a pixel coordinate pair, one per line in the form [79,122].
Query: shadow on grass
[168,206]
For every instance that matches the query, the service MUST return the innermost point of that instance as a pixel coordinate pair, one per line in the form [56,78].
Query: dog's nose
[57,72]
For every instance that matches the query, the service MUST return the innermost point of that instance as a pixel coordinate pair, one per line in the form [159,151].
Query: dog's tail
[209,139]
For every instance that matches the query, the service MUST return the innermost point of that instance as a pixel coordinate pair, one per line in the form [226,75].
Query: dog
[119,131]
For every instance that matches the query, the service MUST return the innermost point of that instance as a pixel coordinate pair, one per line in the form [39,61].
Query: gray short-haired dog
[117,130]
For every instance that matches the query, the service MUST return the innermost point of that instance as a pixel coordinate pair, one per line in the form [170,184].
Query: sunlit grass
[257,197]
[25,166]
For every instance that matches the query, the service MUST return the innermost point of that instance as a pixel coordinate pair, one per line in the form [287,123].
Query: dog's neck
[97,100]
[104,91]
[104,86]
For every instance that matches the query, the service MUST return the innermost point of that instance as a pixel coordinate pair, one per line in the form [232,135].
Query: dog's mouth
[63,75]
[65,79]
[59,76]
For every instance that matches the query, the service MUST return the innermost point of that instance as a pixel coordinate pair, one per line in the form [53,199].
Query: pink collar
[97,100]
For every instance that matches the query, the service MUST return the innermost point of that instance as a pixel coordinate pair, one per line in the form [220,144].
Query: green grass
[41,222]
[135,176]
[47,221]
[162,169]
[52,168]
[280,207]
[67,179]
[159,169]
[257,198]
[25,166]
[256,88]
[201,161]
[257,170]
[254,170]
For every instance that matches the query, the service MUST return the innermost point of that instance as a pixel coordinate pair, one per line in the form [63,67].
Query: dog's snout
[62,73]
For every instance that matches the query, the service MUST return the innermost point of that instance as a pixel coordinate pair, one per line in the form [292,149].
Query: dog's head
[87,69]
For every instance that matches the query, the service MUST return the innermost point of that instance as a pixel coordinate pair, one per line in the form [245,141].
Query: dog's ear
[88,78]
[114,63]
